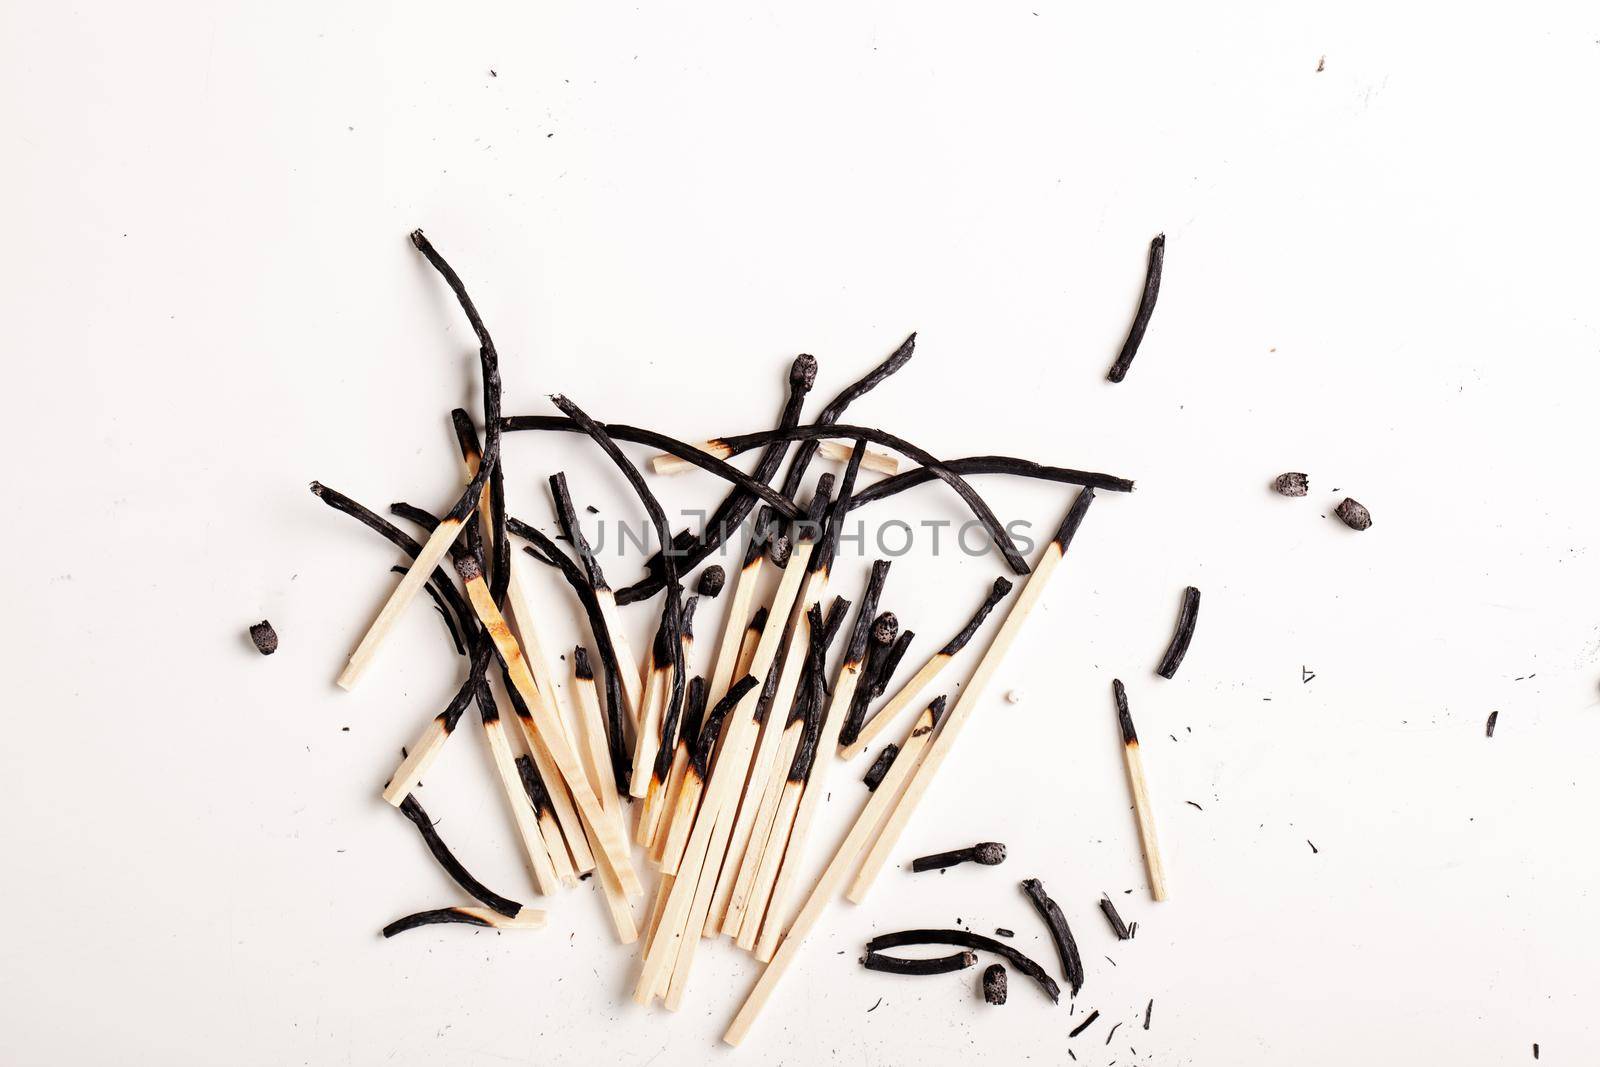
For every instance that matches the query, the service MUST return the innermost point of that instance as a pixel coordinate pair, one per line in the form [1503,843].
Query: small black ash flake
[1087,1022]
[1118,927]
[1313,847]
[1353,515]
[875,1006]
[1193,805]
[591,509]
[1536,1050]
[1112,1034]
[1488,728]
[1147,1008]
[265,637]
[1292,484]
[1001,931]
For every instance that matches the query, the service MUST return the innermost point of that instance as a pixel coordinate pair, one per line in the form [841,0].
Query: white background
[1382,274]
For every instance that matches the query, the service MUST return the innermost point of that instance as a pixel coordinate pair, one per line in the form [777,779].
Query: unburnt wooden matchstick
[1020,611]
[449,527]
[592,734]
[613,844]
[837,870]
[526,919]
[834,451]
[926,674]
[732,762]
[1133,760]
[647,735]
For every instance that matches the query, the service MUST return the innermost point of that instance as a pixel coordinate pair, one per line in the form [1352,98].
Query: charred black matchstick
[266,638]
[956,961]
[880,766]
[472,454]
[413,810]
[1292,484]
[1353,514]
[988,853]
[712,580]
[994,984]
[701,762]
[1188,615]
[976,942]
[527,920]
[889,662]
[533,785]
[1147,305]
[885,631]
[1060,932]
[1488,728]
[1118,927]
[1087,1022]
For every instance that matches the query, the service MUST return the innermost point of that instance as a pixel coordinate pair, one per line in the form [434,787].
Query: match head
[803,372]
[417,240]
[780,550]
[712,579]
[317,489]
[989,853]
[469,568]
[1002,587]
[1292,484]
[1353,514]
[885,628]
[265,637]
[1124,716]
[994,984]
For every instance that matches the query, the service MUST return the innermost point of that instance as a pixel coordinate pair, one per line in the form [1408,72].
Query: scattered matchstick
[1020,611]
[1133,760]
[994,984]
[413,810]
[592,732]
[1087,1022]
[1118,927]
[1147,306]
[1188,615]
[927,673]
[527,919]
[838,868]
[956,961]
[266,638]
[543,854]
[885,634]
[970,940]
[1060,933]
[988,853]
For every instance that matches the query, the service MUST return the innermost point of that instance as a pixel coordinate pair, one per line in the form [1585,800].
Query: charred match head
[988,853]
[1292,484]
[994,984]
[803,372]
[469,568]
[1353,515]
[1124,717]
[266,638]
[712,579]
[885,628]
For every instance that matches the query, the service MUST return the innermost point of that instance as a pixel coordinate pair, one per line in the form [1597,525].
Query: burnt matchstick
[592,734]
[928,673]
[653,811]
[633,687]
[541,853]
[449,527]
[1060,932]
[559,822]
[1118,927]
[1147,306]
[885,631]
[994,984]
[413,810]
[1188,615]
[670,948]
[837,870]
[1133,761]
[988,853]
[693,719]
[880,766]
[834,451]
[993,656]
[976,942]
[549,828]
[527,919]
[421,753]
[266,638]
[613,845]
[956,961]
[795,757]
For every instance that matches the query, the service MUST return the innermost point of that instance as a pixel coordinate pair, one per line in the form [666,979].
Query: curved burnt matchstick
[1144,811]
[413,810]
[441,539]
[928,672]
[977,942]
[1060,932]
[1188,615]
[956,961]
[1147,306]
[731,513]
[528,919]
[974,502]
[472,455]
[672,610]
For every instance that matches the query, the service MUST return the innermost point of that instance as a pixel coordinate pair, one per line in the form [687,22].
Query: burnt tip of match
[1124,716]
[937,706]
[758,621]
[989,853]
[803,372]
[468,567]
[885,628]
[418,241]
[265,637]
[581,665]
[1002,586]
[317,488]
[782,548]
[712,579]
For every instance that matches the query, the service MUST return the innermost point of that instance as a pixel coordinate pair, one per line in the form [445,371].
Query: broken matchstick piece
[1133,760]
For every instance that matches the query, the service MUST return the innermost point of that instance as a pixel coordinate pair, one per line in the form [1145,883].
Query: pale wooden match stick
[1032,589]
[678,733]
[433,551]
[592,730]
[426,748]
[834,451]
[731,765]
[926,674]
[838,868]
[533,788]
[613,843]
[1134,762]
[648,733]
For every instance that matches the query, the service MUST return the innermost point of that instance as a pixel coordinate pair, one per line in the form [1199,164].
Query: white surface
[1382,274]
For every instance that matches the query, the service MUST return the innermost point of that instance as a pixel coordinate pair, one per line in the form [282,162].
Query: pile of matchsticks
[717,776]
